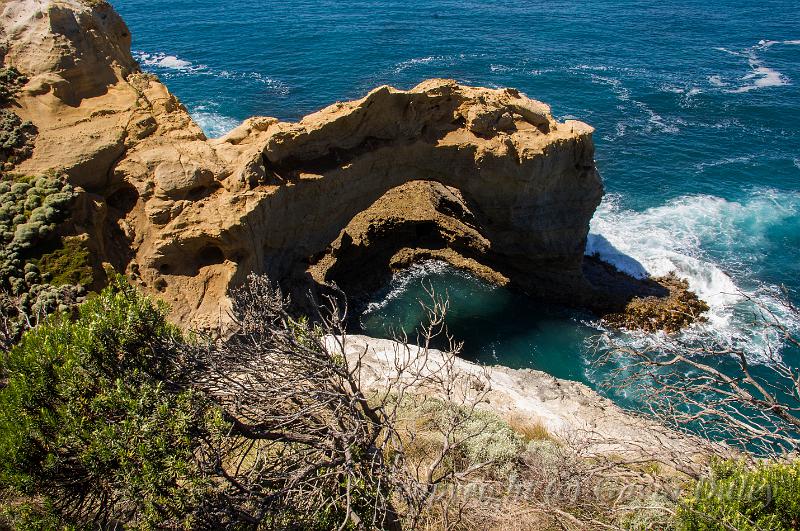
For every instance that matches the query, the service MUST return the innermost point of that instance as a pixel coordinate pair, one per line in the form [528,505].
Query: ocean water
[696,107]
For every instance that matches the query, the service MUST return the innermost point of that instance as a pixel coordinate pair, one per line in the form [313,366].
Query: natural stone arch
[528,182]
[189,217]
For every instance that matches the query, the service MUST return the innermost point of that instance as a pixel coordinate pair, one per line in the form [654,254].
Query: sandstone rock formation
[510,190]
[485,179]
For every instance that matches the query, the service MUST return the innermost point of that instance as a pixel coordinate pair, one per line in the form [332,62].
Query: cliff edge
[485,179]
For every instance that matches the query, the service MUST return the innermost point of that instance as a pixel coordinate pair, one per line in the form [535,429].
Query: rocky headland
[485,179]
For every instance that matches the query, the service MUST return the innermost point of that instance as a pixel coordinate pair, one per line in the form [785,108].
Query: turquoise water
[696,106]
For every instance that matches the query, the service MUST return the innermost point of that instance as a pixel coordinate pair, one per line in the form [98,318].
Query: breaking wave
[714,244]
[213,124]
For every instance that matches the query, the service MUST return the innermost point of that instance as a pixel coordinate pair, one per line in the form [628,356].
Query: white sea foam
[693,91]
[622,93]
[502,68]
[652,120]
[657,122]
[417,61]
[701,166]
[766,44]
[169,62]
[760,75]
[171,65]
[411,276]
[709,241]
[442,60]
[213,124]
[277,86]
[717,81]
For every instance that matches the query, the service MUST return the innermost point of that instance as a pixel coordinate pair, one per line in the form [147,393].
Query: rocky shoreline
[485,179]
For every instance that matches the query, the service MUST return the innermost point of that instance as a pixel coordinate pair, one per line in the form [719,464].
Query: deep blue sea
[696,106]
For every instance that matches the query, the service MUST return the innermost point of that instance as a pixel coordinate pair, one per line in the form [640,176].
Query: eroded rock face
[524,196]
[484,178]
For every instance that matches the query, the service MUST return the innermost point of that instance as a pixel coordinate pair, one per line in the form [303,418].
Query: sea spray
[716,245]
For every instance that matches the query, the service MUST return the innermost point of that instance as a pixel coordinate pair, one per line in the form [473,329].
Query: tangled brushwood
[116,418]
[113,418]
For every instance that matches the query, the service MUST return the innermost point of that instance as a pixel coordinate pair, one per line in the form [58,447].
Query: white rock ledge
[571,411]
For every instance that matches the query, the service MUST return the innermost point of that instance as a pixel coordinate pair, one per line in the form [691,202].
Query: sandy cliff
[487,179]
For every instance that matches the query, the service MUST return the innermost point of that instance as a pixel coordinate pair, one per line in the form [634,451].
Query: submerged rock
[671,313]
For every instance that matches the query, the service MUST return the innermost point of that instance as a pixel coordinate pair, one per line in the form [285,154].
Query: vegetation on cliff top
[10,81]
[89,426]
[40,271]
[737,496]
[67,264]
[16,136]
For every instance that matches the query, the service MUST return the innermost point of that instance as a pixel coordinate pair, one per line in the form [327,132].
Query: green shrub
[69,264]
[27,515]
[16,137]
[29,215]
[88,424]
[736,496]
[10,80]
[480,436]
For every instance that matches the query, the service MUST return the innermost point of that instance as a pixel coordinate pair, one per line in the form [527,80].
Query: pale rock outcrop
[569,411]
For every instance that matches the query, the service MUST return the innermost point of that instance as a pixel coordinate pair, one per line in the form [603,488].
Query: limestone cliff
[485,178]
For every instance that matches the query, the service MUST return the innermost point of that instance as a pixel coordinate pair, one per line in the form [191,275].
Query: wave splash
[711,242]
[414,275]
[213,124]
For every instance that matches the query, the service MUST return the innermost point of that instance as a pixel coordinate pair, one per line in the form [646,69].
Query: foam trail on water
[172,65]
[401,281]
[442,61]
[711,242]
[760,75]
[417,61]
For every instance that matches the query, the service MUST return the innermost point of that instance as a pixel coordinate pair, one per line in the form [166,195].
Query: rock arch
[525,186]
[187,217]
